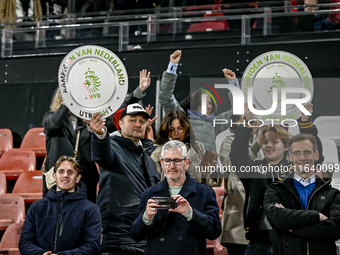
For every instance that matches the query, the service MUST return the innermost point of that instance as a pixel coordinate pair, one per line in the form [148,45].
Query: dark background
[27,84]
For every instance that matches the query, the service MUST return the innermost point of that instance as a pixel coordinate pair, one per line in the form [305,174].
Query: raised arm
[226,115]
[168,82]
[101,151]
[306,126]
[239,153]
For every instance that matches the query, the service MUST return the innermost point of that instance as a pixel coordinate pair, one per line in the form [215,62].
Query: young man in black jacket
[257,175]
[303,210]
[64,222]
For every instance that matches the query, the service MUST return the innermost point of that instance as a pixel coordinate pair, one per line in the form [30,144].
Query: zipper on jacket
[57,225]
[62,227]
[310,197]
[307,248]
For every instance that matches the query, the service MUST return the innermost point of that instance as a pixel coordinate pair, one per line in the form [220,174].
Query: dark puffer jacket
[126,171]
[64,223]
[298,231]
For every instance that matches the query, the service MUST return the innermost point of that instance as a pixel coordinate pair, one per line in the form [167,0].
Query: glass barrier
[191,26]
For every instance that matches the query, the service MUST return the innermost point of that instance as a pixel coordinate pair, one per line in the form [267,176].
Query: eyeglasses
[177,161]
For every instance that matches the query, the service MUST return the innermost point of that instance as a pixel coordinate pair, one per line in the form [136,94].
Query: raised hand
[309,108]
[98,124]
[176,57]
[229,74]
[144,79]
[149,110]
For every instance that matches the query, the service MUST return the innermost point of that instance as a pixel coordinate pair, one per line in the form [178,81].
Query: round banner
[92,79]
[277,71]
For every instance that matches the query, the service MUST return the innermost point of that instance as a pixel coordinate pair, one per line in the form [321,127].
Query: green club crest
[92,82]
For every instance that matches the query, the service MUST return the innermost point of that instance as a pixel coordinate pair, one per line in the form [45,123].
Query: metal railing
[120,29]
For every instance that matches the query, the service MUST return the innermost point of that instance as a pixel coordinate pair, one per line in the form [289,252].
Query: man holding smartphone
[195,218]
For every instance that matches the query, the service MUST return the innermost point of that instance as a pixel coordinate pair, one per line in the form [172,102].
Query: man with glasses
[185,228]
[64,222]
[303,209]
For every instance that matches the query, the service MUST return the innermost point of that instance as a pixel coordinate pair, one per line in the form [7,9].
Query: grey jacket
[204,130]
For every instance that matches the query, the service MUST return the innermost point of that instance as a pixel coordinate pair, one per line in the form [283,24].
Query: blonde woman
[61,127]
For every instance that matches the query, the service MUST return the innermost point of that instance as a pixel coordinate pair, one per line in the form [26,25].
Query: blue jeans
[254,248]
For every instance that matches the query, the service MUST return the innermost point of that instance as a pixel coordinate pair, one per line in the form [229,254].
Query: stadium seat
[330,151]
[29,185]
[34,140]
[6,140]
[206,26]
[3,183]
[328,127]
[12,210]
[16,161]
[10,240]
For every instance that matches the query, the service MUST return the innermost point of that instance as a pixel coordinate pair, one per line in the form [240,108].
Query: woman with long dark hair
[176,126]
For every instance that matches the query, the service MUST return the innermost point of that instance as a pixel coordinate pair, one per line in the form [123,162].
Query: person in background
[64,222]
[13,11]
[323,21]
[176,126]
[184,229]
[303,209]
[201,124]
[233,232]
[53,10]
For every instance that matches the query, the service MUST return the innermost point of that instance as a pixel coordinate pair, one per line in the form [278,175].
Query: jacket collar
[79,194]
[69,126]
[189,186]
[146,146]
[288,181]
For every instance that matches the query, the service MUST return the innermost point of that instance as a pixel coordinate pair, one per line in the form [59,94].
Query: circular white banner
[92,79]
[280,71]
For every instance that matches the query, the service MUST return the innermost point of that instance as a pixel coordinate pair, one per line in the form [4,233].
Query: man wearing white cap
[126,171]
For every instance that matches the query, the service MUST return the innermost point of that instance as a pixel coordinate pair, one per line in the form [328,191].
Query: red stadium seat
[207,26]
[12,210]
[10,240]
[29,185]
[3,183]
[34,140]
[6,140]
[16,161]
